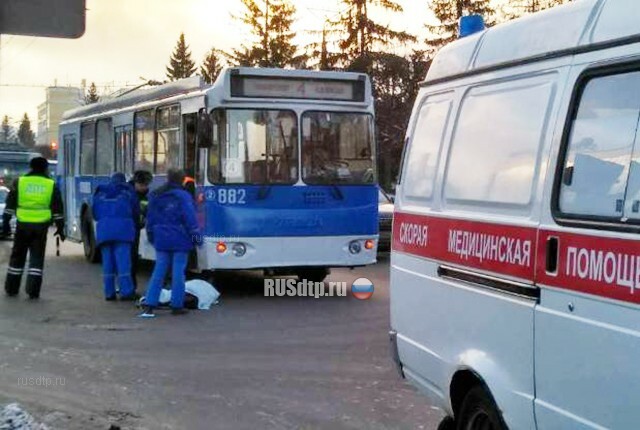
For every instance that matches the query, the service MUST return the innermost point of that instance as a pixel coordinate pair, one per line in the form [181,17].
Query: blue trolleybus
[14,163]
[284,161]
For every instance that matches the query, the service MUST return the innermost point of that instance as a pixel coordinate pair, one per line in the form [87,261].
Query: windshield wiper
[337,194]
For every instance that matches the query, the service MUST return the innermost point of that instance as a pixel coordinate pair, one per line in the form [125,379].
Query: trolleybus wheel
[91,252]
[479,412]
[313,275]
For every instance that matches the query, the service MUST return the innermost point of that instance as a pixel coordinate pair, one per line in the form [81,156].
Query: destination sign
[297,88]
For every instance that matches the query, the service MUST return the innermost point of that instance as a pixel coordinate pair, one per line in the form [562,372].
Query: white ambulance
[515,269]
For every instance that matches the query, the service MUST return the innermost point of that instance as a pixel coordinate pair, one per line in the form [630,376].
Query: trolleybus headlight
[221,247]
[369,244]
[355,247]
[239,249]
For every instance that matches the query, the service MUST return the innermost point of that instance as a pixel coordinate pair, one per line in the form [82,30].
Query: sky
[129,39]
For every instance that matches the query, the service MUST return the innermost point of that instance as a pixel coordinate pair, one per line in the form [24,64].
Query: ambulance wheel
[447,423]
[479,412]
[89,241]
[313,275]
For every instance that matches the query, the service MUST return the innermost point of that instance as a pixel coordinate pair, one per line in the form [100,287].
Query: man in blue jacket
[171,229]
[116,210]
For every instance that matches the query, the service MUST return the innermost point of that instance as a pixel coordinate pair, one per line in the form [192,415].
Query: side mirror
[205,129]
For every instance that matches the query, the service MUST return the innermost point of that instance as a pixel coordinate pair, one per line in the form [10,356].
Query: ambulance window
[496,144]
[424,149]
[600,148]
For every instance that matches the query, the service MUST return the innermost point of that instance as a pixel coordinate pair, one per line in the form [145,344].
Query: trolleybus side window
[497,143]
[337,147]
[424,149]
[168,138]
[254,147]
[600,177]
[144,139]
[104,148]
[88,148]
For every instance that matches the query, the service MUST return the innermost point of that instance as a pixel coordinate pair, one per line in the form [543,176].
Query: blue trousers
[116,262]
[178,263]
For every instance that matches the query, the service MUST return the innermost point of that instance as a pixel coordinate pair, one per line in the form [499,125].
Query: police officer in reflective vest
[35,201]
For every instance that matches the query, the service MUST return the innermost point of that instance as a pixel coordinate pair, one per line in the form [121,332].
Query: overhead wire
[104,85]
[19,54]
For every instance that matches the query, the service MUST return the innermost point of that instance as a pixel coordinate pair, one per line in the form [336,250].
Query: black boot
[12,284]
[34,282]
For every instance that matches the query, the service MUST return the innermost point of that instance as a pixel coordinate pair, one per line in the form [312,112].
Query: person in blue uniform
[117,211]
[172,229]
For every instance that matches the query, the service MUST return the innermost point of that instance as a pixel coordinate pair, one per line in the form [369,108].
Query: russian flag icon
[362,289]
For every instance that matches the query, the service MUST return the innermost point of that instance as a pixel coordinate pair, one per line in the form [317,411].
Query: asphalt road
[250,363]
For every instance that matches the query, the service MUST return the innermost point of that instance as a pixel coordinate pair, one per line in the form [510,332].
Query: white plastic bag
[165,297]
[205,292]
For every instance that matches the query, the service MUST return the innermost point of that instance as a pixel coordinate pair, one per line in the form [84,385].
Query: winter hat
[39,164]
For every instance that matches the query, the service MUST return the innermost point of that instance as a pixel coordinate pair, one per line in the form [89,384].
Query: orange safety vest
[188,179]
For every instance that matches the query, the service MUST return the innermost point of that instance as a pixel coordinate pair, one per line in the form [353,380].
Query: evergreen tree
[7,130]
[92,95]
[25,134]
[396,81]
[211,66]
[320,52]
[516,8]
[180,64]
[361,34]
[327,59]
[270,24]
[449,12]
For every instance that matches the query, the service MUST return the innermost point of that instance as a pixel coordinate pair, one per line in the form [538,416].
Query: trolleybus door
[70,171]
[189,127]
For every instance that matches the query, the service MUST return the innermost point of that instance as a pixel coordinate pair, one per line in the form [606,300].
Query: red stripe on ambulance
[495,248]
[605,267]
[594,265]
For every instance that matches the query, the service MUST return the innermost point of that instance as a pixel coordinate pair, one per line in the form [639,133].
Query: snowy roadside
[14,417]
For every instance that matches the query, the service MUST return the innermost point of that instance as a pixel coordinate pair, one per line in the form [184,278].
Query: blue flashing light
[470,24]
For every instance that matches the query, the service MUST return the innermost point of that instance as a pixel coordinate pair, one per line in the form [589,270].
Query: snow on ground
[13,417]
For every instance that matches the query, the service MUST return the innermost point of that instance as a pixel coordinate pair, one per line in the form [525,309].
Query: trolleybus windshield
[254,147]
[337,148]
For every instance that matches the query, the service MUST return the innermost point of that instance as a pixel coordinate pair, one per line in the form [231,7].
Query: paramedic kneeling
[116,210]
[171,229]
